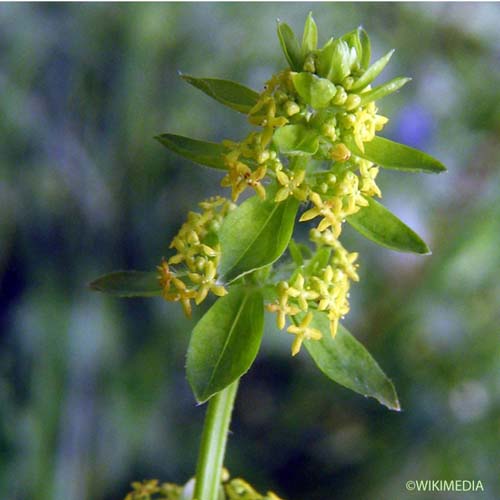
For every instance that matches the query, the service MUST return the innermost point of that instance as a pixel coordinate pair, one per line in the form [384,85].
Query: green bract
[345,361]
[255,235]
[383,227]
[231,94]
[315,91]
[225,342]
[390,154]
[202,152]
[312,158]
[296,140]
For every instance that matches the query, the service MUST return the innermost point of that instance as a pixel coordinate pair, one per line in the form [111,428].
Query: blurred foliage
[92,389]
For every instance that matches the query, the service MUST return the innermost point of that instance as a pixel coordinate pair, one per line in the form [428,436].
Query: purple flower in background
[414,126]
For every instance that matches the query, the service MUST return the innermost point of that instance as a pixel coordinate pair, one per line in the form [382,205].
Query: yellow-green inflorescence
[312,121]
[234,489]
[197,256]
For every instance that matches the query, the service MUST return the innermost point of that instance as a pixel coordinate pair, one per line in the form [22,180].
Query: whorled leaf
[310,36]
[296,140]
[366,52]
[392,155]
[128,284]
[255,234]
[205,153]
[290,46]
[383,90]
[225,342]
[335,60]
[232,94]
[372,72]
[380,225]
[315,91]
[344,360]
[353,40]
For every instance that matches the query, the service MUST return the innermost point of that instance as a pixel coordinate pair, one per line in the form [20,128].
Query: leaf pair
[344,360]
[226,340]
[295,54]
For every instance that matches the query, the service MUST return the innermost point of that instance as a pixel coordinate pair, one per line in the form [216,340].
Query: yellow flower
[303,332]
[268,119]
[366,124]
[144,490]
[346,261]
[281,306]
[301,294]
[330,210]
[240,176]
[164,276]
[282,309]
[206,282]
[368,173]
[291,185]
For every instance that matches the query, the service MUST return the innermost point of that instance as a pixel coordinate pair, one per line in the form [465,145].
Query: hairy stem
[213,444]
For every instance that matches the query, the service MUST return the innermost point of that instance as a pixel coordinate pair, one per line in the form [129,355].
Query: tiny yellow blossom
[340,152]
[366,124]
[281,306]
[303,331]
[330,210]
[291,185]
[301,293]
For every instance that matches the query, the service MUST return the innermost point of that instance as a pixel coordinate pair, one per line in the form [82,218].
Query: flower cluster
[197,254]
[149,489]
[248,161]
[322,285]
[234,489]
[345,119]
[314,121]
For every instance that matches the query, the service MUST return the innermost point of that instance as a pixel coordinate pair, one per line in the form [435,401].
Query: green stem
[213,444]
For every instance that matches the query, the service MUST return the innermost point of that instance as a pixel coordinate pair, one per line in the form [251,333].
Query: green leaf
[290,46]
[383,90]
[255,235]
[366,52]
[231,94]
[296,140]
[315,91]
[372,72]
[392,155]
[319,261]
[296,253]
[380,225]
[345,361]
[310,36]
[203,152]
[128,284]
[335,60]
[353,40]
[225,342]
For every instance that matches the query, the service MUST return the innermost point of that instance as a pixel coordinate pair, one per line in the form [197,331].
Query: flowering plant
[314,157]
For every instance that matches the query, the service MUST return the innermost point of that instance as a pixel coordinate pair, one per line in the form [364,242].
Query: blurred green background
[92,389]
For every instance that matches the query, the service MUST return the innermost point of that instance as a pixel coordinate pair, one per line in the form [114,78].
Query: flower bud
[291,108]
[328,130]
[263,156]
[340,96]
[309,64]
[347,82]
[352,102]
[340,152]
[348,120]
